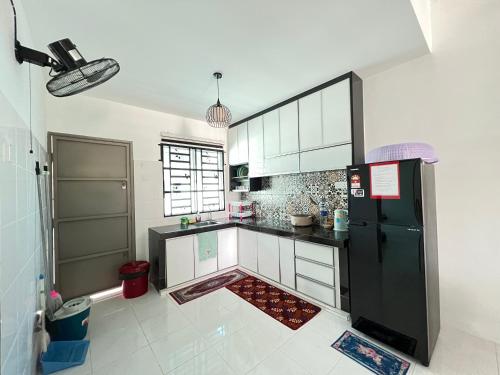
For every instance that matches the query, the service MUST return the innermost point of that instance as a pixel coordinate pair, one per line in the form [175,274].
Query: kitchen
[138,174]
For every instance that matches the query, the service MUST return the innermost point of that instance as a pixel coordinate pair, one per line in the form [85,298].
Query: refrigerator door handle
[358,223]
[380,240]
[420,255]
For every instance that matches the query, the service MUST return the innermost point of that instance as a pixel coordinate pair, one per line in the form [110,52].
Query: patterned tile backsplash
[286,194]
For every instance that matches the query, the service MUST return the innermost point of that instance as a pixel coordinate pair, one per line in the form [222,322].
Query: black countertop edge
[313,233]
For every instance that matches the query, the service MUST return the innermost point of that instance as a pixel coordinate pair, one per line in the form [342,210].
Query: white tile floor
[221,334]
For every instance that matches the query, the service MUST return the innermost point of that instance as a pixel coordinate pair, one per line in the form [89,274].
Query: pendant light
[218,115]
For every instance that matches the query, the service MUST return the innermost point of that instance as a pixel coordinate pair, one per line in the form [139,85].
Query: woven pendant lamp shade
[218,115]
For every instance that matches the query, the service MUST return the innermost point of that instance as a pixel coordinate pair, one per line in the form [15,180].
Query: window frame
[193,172]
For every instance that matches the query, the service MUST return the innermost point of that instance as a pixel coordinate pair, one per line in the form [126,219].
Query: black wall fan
[71,73]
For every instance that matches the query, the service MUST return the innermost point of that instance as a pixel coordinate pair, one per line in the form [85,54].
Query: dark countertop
[313,233]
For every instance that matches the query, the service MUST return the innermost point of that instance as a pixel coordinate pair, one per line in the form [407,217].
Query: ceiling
[267,50]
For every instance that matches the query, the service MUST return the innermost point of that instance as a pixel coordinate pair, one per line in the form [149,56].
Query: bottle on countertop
[323,212]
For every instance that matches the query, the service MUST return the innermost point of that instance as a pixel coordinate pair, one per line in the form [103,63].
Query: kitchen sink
[205,223]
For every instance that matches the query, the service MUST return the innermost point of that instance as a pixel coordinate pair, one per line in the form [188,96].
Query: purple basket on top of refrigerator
[403,151]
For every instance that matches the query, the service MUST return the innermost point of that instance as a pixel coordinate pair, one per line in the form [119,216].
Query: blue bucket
[71,321]
[61,355]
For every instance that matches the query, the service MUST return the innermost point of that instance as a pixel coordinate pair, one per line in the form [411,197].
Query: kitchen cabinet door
[268,256]
[281,165]
[255,147]
[272,134]
[289,128]
[232,146]
[310,125]
[337,113]
[180,260]
[242,143]
[247,249]
[287,261]
[325,159]
[227,250]
[202,267]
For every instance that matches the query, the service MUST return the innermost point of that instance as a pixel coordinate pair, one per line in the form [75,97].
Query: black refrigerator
[393,259]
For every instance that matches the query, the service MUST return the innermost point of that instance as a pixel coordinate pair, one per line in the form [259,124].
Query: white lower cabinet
[180,260]
[247,249]
[227,251]
[287,261]
[202,267]
[268,257]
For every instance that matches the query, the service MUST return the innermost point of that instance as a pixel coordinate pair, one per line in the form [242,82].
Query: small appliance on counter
[301,220]
[241,209]
[340,220]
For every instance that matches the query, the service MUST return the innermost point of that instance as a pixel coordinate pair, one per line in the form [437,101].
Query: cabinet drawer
[316,291]
[315,271]
[319,253]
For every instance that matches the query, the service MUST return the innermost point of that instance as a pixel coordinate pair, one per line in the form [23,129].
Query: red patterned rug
[197,290]
[282,306]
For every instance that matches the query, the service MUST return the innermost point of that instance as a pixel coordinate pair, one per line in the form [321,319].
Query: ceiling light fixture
[73,74]
[218,115]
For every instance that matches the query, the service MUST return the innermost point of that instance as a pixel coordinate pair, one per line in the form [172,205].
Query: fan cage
[81,79]
[218,116]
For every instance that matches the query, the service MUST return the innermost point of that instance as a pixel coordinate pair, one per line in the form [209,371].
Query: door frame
[53,190]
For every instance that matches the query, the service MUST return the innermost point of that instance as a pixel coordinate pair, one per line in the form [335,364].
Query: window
[193,178]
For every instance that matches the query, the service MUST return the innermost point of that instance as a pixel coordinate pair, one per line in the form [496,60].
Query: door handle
[380,240]
[124,185]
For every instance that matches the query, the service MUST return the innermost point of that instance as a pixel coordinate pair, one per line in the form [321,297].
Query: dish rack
[241,209]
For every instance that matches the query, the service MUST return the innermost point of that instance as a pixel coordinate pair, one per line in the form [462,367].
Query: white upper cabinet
[289,128]
[237,144]
[256,147]
[272,134]
[232,145]
[337,113]
[326,159]
[243,143]
[310,126]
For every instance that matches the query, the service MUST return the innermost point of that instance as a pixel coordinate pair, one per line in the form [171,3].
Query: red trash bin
[135,278]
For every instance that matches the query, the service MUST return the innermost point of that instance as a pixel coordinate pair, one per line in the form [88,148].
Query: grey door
[93,212]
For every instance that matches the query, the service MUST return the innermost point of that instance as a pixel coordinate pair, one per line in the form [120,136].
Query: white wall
[20,243]
[450,99]
[89,116]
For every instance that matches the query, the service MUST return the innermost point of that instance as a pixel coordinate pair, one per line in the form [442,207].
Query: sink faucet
[209,216]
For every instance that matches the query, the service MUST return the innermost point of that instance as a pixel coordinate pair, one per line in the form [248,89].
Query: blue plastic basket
[64,354]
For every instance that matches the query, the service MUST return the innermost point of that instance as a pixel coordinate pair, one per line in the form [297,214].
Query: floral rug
[371,356]
[280,305]
[197,290]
